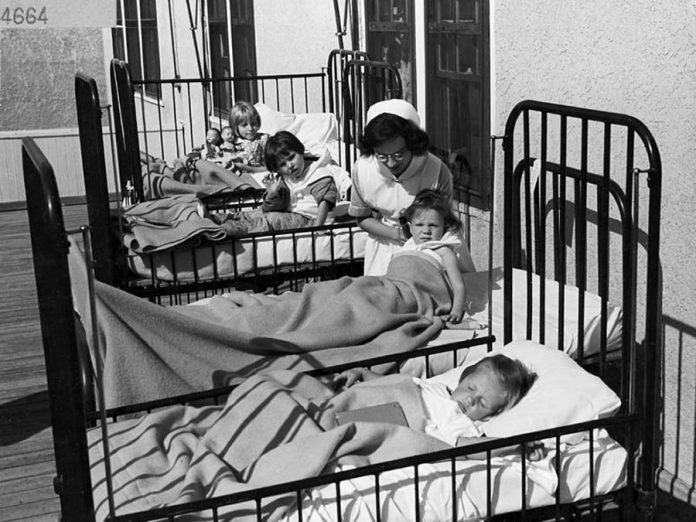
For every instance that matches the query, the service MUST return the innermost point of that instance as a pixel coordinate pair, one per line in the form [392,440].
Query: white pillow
[477,291]
[564,393]
[315,130]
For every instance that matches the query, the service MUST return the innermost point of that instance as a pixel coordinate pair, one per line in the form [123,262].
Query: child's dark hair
[430,199]
[279,146]
[513,375]
[242,112]
[387,126]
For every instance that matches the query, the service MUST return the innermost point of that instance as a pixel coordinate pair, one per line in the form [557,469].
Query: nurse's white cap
[399,107]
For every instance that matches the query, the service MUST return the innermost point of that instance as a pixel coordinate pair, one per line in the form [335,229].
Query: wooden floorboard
[27,464]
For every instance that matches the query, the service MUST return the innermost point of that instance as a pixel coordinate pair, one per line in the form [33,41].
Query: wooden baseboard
[10,206]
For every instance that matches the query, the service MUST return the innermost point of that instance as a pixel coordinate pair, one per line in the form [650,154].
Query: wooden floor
[26,447]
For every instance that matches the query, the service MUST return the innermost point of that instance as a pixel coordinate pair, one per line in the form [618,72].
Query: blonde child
[243,145]
[485,389]
[435,231]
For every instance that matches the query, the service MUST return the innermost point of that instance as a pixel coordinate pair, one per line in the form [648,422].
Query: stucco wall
[37,98]
[637,57]
[293,36]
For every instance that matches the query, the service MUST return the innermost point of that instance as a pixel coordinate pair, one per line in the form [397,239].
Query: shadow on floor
[21,418]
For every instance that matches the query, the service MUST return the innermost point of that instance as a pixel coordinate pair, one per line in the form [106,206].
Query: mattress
[234,258]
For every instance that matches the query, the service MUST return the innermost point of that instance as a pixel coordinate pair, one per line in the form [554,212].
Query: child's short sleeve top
[444,419]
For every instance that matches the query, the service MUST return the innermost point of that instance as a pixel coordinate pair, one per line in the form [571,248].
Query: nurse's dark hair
[385,127]
[431,199]
[513,375]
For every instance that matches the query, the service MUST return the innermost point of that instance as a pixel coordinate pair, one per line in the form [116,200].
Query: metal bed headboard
[89,113]
[50,247]
[548,173]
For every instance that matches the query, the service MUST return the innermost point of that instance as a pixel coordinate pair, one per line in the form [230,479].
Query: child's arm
[348,378]
[325,193]
[451,265]
[323,212]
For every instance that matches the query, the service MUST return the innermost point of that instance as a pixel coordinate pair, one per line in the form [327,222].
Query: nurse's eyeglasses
[394,156]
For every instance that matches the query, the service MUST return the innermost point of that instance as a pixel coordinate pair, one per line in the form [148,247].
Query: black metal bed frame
[560,192]
[526,202]
[352,79]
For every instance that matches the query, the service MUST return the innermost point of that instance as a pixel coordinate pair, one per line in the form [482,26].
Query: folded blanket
[158,224]
[274,428]
[150,352]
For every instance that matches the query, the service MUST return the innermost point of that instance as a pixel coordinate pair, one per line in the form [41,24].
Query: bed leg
[645,504]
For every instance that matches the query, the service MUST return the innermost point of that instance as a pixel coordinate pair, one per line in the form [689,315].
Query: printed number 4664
[20,16]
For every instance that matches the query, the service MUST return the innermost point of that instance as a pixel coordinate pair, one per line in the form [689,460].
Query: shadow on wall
[677,472]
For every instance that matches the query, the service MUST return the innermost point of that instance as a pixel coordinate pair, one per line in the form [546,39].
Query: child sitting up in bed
[436,231]
[243,145]
[302,195]
[487,388]
[304,191]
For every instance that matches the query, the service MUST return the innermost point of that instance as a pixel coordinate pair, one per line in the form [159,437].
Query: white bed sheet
[242,256]
[477,291]
[397,490]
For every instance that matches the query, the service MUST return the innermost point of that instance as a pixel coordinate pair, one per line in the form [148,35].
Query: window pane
[117,39]
[148,9]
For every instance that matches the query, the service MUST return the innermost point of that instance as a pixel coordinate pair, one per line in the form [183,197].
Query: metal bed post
[50,246]
[127,144]
[95,178]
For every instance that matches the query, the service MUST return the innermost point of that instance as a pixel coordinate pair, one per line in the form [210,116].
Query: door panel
[457,92]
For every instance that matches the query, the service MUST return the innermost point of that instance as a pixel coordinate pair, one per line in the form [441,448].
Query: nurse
[394,165]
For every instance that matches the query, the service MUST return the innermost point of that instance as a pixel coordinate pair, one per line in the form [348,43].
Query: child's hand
[535,451]
[462,323]
[455,316]
[347,378]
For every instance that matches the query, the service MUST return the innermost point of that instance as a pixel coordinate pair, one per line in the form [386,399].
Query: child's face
[227,135]
[427,225]
[212,137]
[480,395]
[247,130]
[291,166]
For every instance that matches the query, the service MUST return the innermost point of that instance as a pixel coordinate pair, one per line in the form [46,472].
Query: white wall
[636,57]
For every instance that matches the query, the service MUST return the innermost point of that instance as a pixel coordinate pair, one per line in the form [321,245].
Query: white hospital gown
[444,419]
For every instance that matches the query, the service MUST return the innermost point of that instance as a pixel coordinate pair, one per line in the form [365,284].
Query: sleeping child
[435,231]
[487,388]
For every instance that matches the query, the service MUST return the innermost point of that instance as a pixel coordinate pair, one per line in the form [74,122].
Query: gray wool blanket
[148,351]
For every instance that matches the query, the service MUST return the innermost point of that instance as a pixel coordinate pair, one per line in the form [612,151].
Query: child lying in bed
[435,231]
[489,387]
